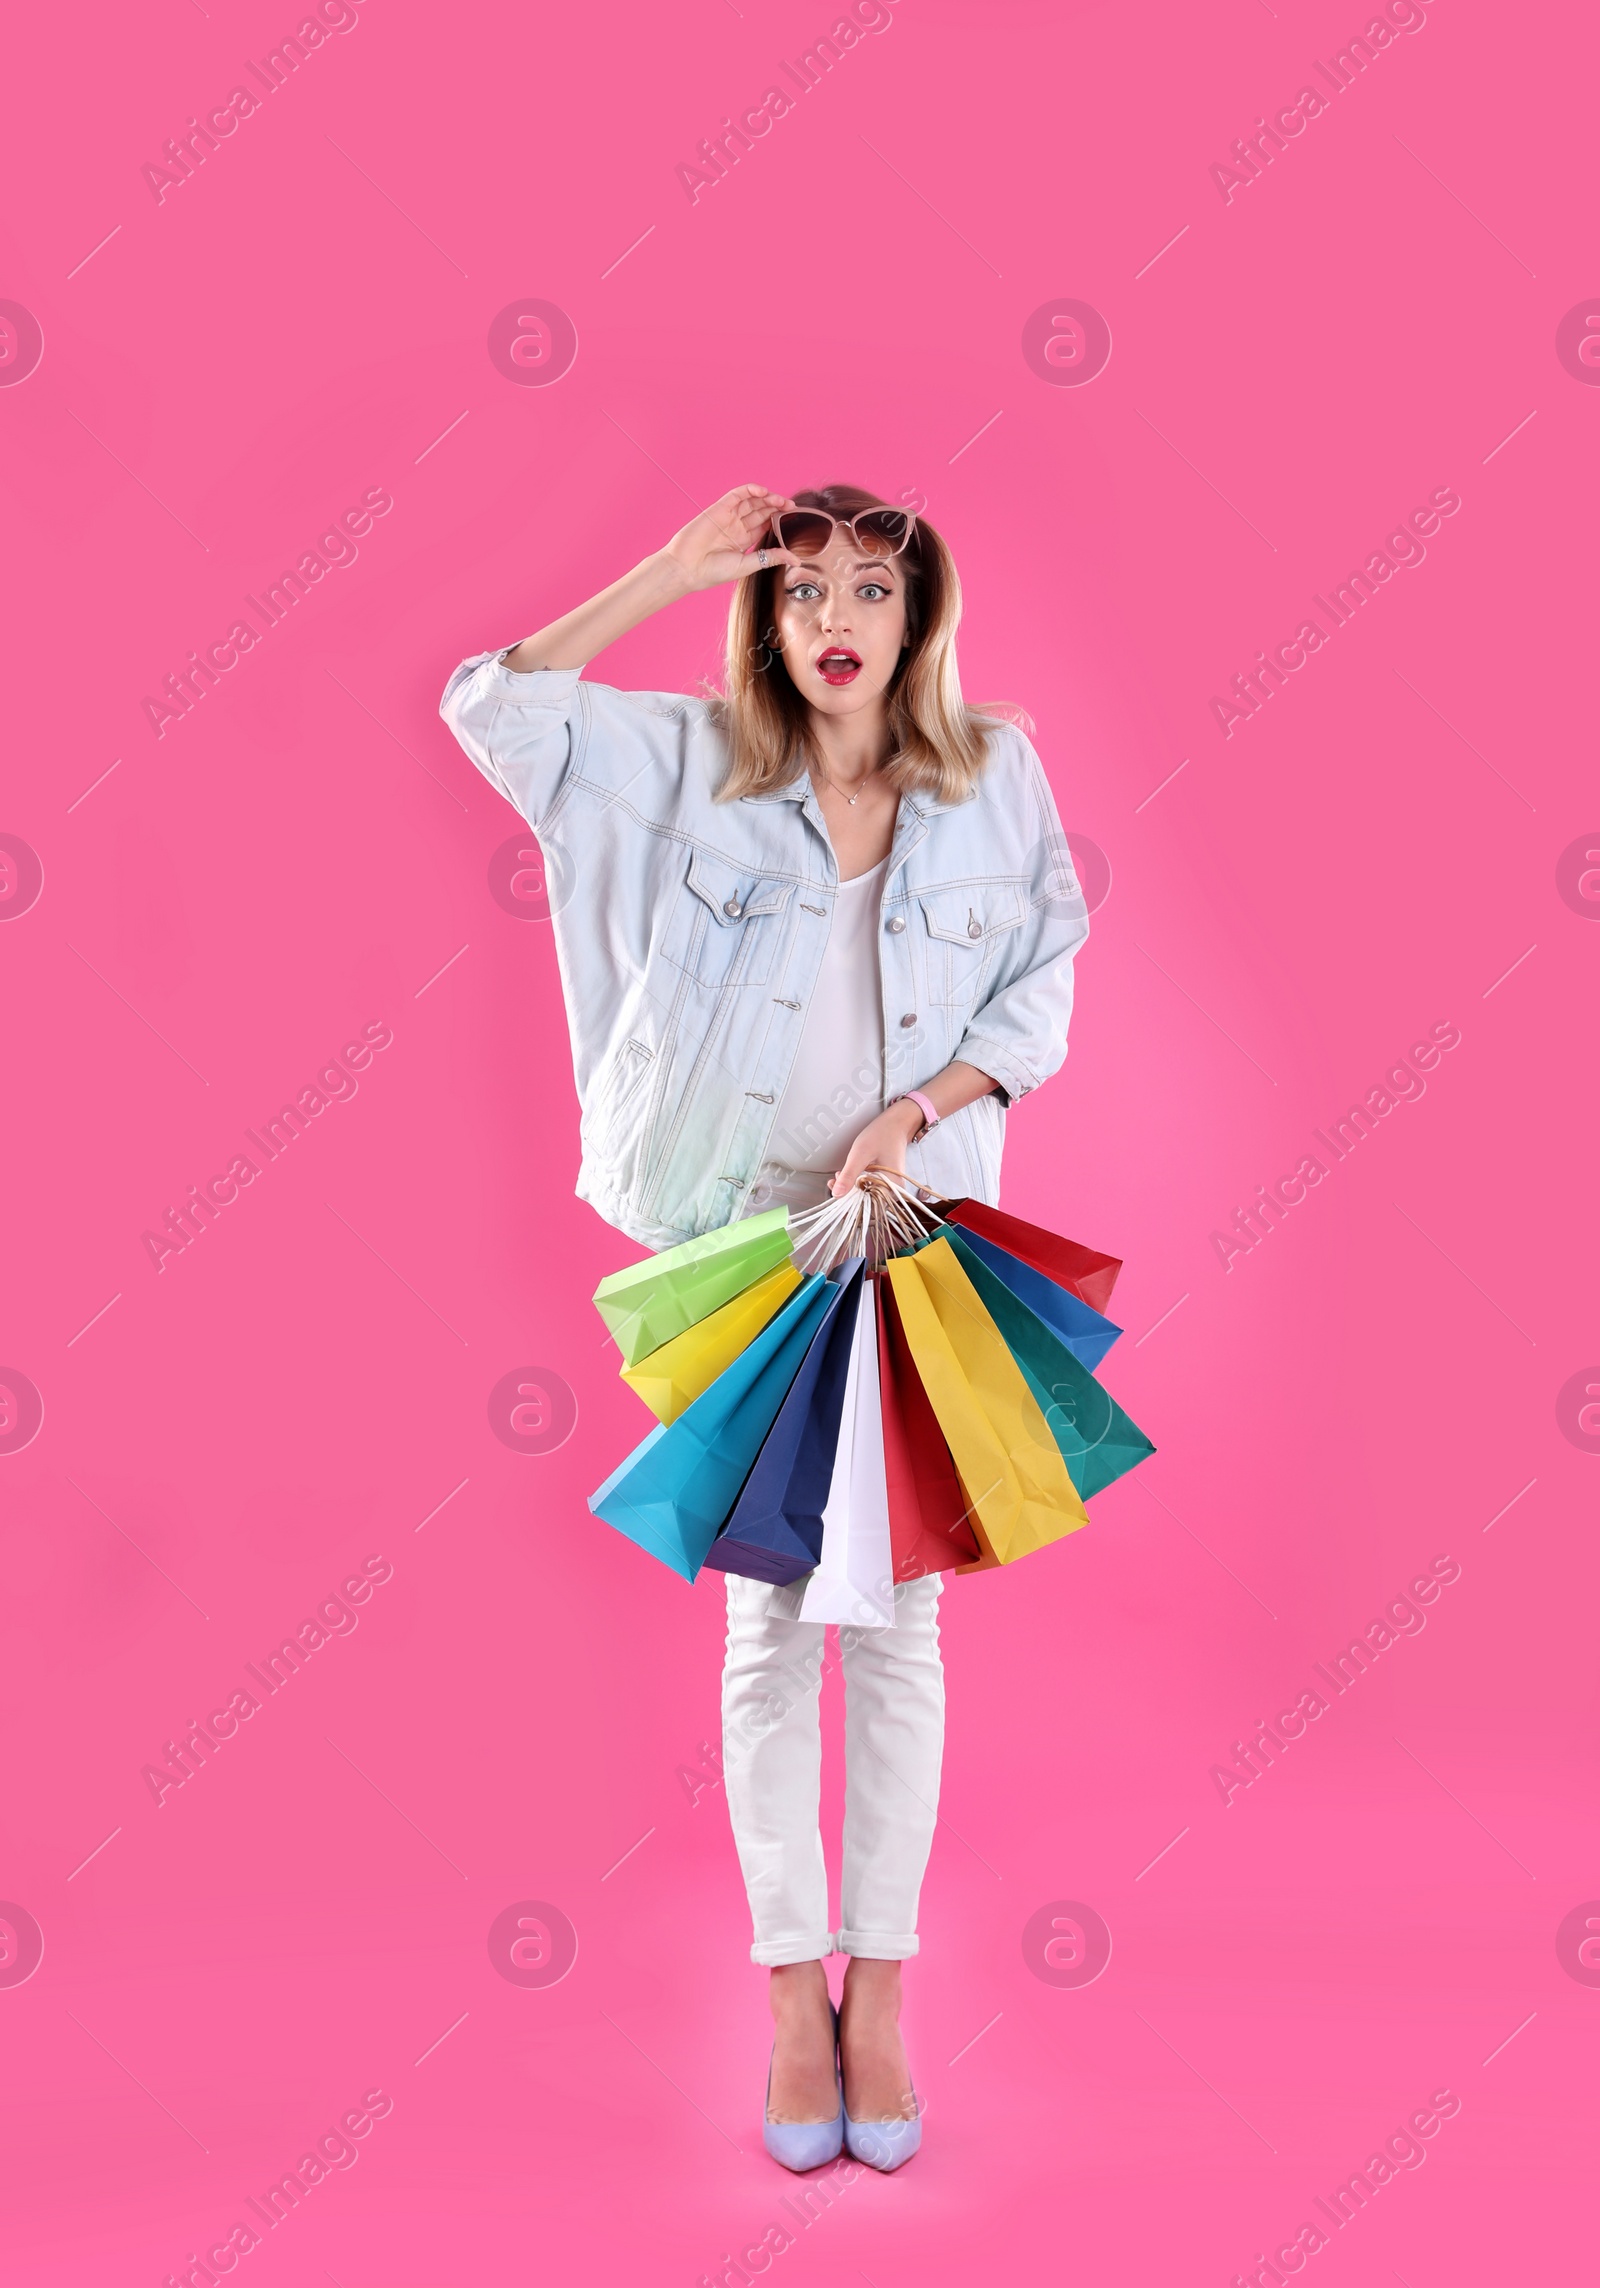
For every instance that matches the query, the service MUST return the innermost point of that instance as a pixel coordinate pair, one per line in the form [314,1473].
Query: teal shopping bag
[673,1492]
[1098,1441]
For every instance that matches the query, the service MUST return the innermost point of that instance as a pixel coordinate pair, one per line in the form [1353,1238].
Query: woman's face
[841,626]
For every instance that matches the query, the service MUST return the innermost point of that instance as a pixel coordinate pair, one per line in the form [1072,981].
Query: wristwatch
[925,1105]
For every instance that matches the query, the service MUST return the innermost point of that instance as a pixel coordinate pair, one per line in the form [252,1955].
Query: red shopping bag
[1081,1270]
[930,1519]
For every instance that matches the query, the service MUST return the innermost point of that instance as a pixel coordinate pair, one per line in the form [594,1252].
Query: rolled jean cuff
[880,1946]
[778,1953]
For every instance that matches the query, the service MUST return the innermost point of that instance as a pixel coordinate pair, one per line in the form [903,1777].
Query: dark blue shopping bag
[774,1531]
[1085,1332]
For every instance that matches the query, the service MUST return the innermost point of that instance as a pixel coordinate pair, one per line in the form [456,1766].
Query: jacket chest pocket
[727,923]
[964,933]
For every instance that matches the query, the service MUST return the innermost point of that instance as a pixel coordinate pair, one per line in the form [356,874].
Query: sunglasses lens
[804,531]
[882,531]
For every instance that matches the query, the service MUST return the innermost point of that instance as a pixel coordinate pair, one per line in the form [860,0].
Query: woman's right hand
[720,543]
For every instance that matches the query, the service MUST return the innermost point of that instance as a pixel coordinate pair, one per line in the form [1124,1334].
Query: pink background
[1378,1383]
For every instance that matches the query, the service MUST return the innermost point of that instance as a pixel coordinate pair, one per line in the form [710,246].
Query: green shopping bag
[1098,1442]
[647,1303]
[674,1491]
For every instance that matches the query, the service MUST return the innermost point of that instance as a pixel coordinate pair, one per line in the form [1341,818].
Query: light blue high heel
[884,2145]
[802,2145]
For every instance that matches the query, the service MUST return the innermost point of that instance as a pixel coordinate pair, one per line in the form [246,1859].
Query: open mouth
[839,665]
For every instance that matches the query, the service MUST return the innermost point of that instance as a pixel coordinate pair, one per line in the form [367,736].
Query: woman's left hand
[881,1144]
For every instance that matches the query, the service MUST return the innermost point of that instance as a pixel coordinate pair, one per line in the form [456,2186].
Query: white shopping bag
[854,1582]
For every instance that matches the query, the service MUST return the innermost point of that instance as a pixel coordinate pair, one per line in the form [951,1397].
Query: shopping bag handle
[878,1214]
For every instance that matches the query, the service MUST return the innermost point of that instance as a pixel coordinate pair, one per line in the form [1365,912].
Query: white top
[836,1085]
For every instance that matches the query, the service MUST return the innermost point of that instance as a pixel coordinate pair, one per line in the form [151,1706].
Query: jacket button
[974,929]
[897,922]
[910,1018]
[733,909]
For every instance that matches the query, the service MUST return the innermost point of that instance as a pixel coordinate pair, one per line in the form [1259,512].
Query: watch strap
[925,1105]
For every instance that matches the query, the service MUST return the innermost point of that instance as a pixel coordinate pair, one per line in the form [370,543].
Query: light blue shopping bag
[673,1492]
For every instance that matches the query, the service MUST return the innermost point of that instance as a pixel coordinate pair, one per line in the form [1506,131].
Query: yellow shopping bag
[670,1379]
[1011,1467]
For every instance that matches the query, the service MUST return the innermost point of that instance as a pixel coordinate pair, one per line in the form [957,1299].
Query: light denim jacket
[690,933]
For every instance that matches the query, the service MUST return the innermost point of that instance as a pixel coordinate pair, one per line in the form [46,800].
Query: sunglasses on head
[875,531]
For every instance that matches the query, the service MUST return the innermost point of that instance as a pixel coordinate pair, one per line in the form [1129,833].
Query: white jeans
[772,1768]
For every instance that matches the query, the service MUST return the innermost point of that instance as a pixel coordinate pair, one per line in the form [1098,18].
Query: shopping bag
[774,1532]
[1021,1495]
[671,1378]
[674,1490]
[930,1530]
[646,1304]
[1087,1333]
[1082,1270]
[1097,1440]
[854,1579]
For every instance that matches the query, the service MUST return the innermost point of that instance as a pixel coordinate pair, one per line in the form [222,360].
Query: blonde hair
[939,742]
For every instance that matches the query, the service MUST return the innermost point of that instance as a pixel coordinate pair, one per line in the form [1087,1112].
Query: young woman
[823,923]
